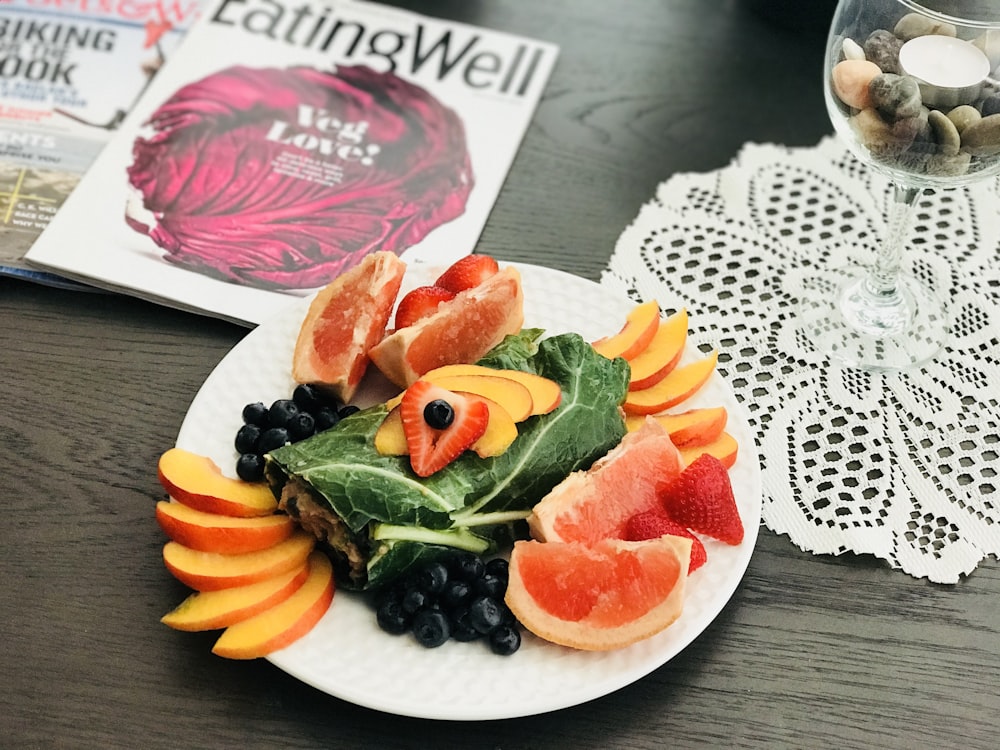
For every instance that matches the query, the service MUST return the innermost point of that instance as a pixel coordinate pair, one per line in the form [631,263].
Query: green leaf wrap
[363,488]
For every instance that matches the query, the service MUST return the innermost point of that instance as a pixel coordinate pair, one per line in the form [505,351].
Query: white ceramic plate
[348,656]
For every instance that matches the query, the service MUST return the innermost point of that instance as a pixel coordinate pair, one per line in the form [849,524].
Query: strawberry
[467,272]
[651,524]
[701,498]
[462,421]
[419,303]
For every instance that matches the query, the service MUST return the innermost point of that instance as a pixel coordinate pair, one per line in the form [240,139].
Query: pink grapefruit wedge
[601,596]
[344,321]
[460,331]
[588,506]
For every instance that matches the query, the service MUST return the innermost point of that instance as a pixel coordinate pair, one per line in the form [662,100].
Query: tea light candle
[950,71]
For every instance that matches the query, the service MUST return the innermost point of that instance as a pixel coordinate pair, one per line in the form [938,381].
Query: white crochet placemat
[903,467]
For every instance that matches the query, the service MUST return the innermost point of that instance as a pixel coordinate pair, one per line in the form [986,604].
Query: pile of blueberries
[285,421]
[460,597]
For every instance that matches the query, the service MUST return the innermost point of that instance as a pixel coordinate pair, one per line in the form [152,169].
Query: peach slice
[656,361]
[545,394]
[284,623]
[690,428]
[213,532]
[198,482]
[390,440]
[724,448]
[511,395]
[211,610]
[640,326]
[501,431]
[682,383]
[211,571]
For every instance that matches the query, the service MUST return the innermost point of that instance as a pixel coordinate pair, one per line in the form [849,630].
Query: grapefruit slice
[344,321]
[588,506]
[598,597]
[461,330]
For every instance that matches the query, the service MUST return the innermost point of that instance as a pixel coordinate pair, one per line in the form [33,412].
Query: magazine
[287,139]
[69,71]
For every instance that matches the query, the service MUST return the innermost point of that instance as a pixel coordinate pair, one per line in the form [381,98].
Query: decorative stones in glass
[920,94]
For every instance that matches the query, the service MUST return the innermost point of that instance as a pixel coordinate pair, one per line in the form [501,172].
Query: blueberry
[491,586]
[250,467]
[255,413]
[307,397]
[431,628]
[505,640]
[392,618]
[300,426]
[281,411]
[485,614]
[467,566]
[461,627]
[432,578]
[439,414]
[246,438]
[345,411]
[415,600]
[325,418]
[272,438]
[498,567]
[506,616]
[455,593]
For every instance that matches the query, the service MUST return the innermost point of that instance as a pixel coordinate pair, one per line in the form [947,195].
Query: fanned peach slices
[653,347]
[255,573]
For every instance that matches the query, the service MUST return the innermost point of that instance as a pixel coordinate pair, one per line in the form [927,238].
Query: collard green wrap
[379,518]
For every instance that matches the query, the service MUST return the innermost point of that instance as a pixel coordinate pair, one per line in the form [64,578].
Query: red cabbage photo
[283,178]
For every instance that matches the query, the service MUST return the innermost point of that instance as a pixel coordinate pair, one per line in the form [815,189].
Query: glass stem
[882,280]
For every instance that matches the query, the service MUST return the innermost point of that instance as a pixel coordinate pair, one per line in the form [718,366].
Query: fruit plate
[346,655]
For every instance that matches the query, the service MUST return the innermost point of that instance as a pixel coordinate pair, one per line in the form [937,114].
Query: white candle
[950,71]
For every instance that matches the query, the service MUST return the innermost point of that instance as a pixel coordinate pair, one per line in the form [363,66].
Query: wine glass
[911,86]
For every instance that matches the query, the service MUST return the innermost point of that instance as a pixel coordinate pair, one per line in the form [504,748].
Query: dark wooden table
[810,652]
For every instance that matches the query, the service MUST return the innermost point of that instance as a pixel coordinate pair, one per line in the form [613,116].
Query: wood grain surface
[811,652]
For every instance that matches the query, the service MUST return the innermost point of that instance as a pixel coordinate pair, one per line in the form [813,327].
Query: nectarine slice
[213,532]
[390,440]
[640,326]
[198,482]
[211,571]
[682,383]
[511,395]
[545,394]
[689,428]
[656,361]
[501,430]
[284,623]
[212,610]
[725,448]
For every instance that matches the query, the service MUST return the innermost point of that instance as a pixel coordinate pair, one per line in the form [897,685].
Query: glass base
[875,333]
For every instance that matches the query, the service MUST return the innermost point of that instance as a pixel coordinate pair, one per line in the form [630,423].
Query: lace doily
[903,467]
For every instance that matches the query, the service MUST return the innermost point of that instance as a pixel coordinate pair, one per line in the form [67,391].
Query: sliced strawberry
[432,449]
[652,524]
[701,499]
[467,272]
[419,303]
